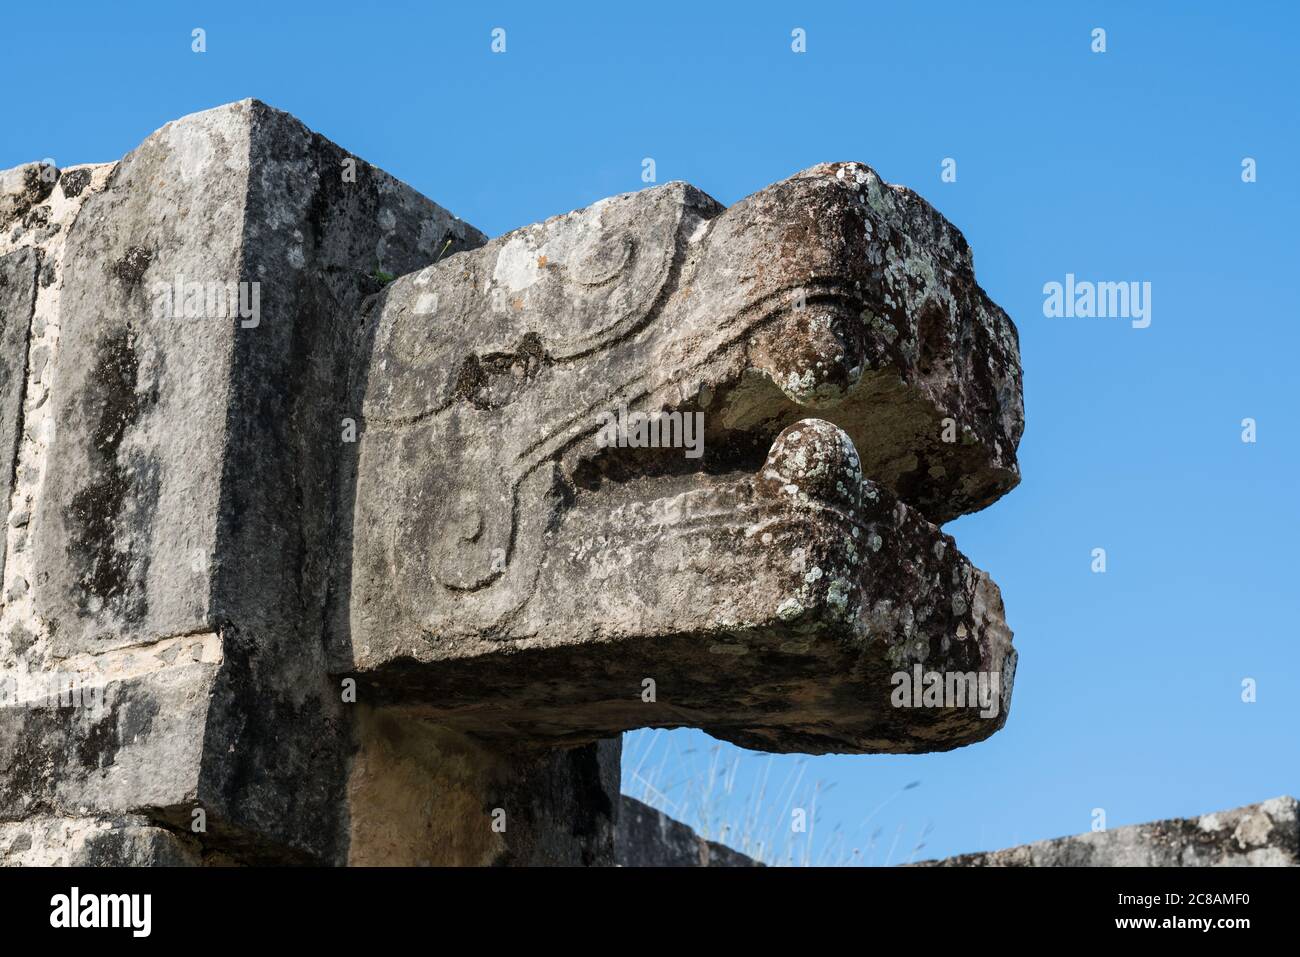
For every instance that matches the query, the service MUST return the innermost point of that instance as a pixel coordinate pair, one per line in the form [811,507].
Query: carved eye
[601,257]
[466,522]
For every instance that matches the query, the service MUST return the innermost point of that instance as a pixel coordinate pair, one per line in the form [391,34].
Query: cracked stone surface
[346,561]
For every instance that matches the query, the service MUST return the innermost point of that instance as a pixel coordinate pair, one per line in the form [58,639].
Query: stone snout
[834,293]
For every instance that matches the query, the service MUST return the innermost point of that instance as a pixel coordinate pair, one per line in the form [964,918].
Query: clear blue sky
[1117,166]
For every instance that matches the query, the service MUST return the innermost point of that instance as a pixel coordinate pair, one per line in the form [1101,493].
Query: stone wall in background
[647,837]
[1258,835]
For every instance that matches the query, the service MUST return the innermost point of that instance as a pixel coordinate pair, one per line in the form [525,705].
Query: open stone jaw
[773,611]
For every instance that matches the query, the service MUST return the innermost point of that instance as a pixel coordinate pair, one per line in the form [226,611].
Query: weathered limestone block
[510,575]
[1258,835]
[36,738]
[19,273]
[153,412]
[96,842]
[177,480]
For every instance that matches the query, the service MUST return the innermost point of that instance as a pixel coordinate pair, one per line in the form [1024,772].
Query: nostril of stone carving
[809,356]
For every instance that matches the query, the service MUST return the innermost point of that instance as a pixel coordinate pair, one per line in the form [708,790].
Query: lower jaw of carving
[776,610]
